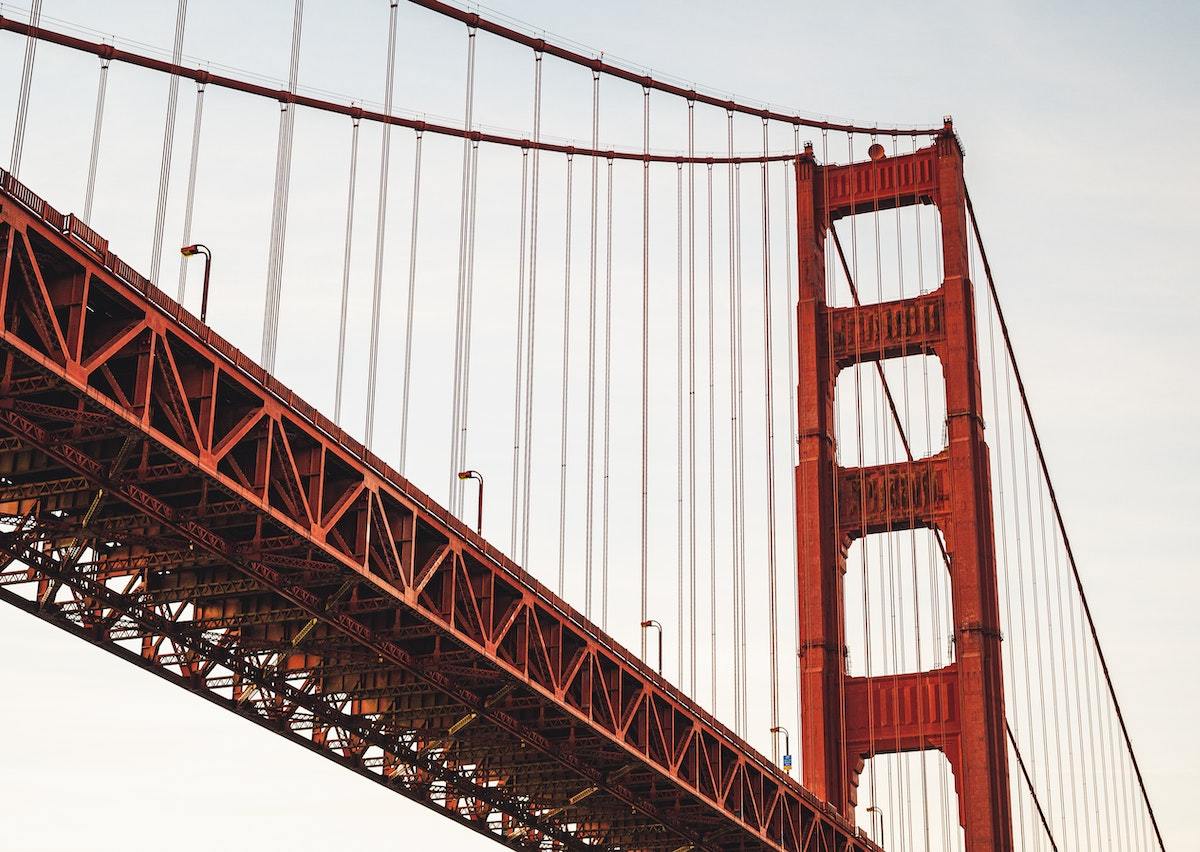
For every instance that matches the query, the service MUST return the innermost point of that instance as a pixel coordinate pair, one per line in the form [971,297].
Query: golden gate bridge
[781,408]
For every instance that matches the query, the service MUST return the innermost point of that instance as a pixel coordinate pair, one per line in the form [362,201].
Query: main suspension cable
[646,81]
[348,109]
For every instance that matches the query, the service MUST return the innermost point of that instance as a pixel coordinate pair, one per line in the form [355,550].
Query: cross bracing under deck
[167,500]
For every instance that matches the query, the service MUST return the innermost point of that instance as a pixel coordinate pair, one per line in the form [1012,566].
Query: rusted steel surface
[167,500]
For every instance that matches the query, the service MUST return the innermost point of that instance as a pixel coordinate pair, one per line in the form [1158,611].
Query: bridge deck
[166,499]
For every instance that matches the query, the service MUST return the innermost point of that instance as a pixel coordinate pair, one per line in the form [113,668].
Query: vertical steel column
[820,556]
[958,709]
[984,806]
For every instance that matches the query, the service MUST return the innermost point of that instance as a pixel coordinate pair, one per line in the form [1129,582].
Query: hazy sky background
[1078,121]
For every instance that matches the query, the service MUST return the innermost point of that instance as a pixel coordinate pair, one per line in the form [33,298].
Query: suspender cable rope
[769,382]
[190,202]
[566,385]
[1045,470]
[455,490]
[94,157]
[850,279]
[712,451]
[680,579]
[531,337]
[1056,709]
[608,254]
[283,173]
[691,297]
[31,42]
[737,483]
[409,319]
[468,314]
[645,516]
[864,550]
[519,346]
[918,649]
[589,498]
[385,154]
[743,697]
[164,170]
[341,350]
[791,306]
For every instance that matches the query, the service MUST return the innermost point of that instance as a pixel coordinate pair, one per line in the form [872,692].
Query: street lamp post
[875,809]
[653,623]
[192,251]
[476,475]
[787,747]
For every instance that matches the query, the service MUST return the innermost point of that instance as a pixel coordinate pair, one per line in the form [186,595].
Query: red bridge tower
[957,709]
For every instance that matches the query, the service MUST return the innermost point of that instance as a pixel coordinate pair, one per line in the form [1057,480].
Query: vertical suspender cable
[589,498]
[711,330]
[790,305]
[680,594]
[283,172]
[608,253]
[691,297]
[93,159]
[455,490]
[645,530]
[341,348]
[735,473]
[14,163]
[1041,458]
[164,170]
[520,344]
[531,339]
[769,382]
[380,228]
[190,202]
[412,299]
[468,312]
[566,384]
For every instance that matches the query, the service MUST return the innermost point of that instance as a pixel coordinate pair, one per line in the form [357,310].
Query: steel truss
[168,501]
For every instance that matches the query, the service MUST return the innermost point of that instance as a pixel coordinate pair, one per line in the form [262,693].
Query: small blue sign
[787,761]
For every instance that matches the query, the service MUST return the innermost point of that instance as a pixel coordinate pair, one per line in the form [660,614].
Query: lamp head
[190,251]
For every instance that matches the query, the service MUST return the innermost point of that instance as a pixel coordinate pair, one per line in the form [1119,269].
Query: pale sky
[1077,121]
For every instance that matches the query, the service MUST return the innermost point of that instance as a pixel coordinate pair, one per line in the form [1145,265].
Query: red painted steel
[958,709]
[167,500]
